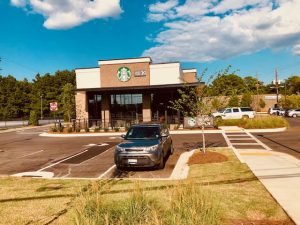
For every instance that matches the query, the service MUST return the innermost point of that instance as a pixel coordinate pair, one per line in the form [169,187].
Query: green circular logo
[124,74]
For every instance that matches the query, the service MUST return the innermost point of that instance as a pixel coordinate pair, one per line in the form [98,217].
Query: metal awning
[140,88]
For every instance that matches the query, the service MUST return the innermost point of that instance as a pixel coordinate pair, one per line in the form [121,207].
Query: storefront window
[126,107]
[94,106]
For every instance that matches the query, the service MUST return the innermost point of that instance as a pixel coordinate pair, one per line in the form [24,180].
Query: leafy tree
[193,101]
[293,85]
[234,100]
[246,99]
[33,118]
[68,101]
[226,84]
[251,84]
[262,103]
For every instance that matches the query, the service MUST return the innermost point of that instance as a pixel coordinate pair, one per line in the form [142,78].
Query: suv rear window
[246,109]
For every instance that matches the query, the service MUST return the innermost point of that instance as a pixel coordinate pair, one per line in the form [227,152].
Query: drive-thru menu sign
[53,106]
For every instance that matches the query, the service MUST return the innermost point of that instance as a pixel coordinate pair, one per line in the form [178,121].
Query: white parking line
[236,135]
[245,143]
[106,172]
[54,164]
[33,153]
[240,139]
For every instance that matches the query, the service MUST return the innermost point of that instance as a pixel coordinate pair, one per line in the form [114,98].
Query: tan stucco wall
[189,77]
[109,75]
[81,105]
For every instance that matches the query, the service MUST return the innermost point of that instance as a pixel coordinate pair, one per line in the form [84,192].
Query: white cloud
[161,10]
[18,3]
[296,49]
[69,13]
[205,30]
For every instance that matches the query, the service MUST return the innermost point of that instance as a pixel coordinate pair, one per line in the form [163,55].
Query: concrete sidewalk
[278,172]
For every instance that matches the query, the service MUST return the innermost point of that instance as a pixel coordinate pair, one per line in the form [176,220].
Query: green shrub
[61,128]
[87,129]
[70,130]
[33,118]
[53,129]
[97,129]
[256,123]
[106,129]
[117,129]
[77,129]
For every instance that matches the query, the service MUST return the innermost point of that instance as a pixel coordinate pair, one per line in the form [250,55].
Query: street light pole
[41,106]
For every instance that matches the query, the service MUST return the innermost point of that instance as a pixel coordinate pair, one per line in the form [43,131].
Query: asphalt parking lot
[82,157]
[287,142]
[92,157]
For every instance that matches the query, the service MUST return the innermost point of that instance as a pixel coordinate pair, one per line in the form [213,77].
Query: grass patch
[34,201]
[255,123]
[181,204]
[214,193]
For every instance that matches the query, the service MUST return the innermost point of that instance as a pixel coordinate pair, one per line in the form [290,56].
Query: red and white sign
[53,106]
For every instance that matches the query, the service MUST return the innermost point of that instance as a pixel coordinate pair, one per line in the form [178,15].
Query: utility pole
[257,86]
[276,85]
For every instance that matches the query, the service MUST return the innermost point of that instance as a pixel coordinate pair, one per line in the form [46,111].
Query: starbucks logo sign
[124,74]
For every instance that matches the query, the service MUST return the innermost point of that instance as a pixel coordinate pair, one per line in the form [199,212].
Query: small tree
[193,101]
[68,101]
[262,103]
[233,101]
[33,118]
[246,99]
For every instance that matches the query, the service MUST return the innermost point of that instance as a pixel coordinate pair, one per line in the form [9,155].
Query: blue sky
[254,37]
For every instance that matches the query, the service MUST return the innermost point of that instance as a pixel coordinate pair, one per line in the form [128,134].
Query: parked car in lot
[144,145]
[275,111]
[293,113]
[235,113]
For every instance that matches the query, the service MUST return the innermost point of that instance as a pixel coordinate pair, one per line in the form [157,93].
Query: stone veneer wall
[81,105]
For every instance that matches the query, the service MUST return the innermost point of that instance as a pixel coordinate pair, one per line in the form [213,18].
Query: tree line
[227,89]
[18,98]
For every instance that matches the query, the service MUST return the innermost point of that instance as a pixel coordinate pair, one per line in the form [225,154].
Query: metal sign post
[54,108]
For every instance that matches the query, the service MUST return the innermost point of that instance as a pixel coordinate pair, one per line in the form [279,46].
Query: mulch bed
[208,157]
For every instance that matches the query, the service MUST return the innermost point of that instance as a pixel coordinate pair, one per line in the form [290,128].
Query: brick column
[105,113]
[81,105]
[147,107]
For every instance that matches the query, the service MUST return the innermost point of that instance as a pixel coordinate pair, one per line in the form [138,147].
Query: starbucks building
[121,91]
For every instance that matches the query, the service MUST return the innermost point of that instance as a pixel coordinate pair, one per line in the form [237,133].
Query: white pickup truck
[235,113]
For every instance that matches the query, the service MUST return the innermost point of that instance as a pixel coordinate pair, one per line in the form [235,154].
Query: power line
[19,64]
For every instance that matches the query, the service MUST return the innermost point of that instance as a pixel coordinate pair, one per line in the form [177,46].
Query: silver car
[144,145]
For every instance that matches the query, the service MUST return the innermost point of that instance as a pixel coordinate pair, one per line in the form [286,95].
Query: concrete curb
[272,130]
[171,132]
[23,128]
[181,169]
[82,135]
